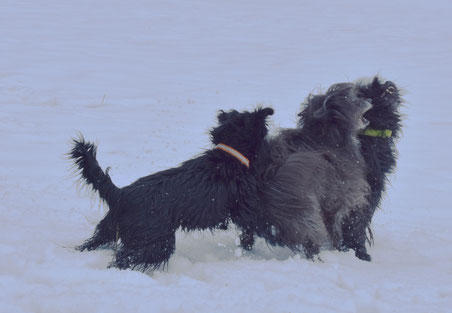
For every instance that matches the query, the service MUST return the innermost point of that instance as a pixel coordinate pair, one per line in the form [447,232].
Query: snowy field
[144,79]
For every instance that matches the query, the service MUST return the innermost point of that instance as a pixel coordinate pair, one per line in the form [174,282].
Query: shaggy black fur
[199,194]
[312,178]
[379,154]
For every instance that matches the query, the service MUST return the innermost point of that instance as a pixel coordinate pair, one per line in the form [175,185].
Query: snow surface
[144,80]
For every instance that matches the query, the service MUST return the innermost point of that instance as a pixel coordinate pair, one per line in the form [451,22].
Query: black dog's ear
[264,112]
[376,83]
[224,116]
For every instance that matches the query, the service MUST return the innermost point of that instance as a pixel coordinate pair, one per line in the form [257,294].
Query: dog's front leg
[247,239]
[354,234]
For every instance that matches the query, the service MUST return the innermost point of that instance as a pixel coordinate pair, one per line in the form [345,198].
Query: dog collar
[383,133]
[234,153]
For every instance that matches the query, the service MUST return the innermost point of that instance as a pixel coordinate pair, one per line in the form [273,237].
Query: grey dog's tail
[84,156]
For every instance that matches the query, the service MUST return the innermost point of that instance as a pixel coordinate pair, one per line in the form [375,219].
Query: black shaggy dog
[197,195]
[377,147]
[312,180]
[378,140]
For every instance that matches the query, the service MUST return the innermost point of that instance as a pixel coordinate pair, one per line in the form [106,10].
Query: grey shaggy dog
[313,178]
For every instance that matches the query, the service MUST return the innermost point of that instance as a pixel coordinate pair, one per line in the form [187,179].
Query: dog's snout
[389,87]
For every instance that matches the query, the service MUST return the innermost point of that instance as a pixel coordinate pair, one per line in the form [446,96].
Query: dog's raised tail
[84,156]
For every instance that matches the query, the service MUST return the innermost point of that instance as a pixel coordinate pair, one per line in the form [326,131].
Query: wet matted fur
[197,195]
[313,178]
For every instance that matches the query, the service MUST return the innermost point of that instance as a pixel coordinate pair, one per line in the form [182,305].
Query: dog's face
[338,110]
[386,100]
[243,131]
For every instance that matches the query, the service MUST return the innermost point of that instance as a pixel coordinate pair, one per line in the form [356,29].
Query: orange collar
[234,153]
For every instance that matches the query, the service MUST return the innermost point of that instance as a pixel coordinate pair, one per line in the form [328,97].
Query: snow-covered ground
[144,80]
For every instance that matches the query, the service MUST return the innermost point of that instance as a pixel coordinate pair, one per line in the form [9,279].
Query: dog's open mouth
[367,105]
[365,122]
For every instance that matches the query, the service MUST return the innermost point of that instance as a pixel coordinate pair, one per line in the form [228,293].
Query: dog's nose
[389,87]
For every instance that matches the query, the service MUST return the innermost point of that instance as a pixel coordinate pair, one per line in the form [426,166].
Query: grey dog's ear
[321,111]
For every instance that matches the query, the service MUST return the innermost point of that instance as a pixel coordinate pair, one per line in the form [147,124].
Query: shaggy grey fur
[313,177]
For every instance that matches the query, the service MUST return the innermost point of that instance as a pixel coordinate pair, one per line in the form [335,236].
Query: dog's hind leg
[310,249]
[104,234]
[145,253]
[354,234]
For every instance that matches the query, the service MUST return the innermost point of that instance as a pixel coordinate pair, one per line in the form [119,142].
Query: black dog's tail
[84,156]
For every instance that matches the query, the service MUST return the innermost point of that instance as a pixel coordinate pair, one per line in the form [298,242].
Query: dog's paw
[121,262]
[363,255]
[83,247]
[247,241]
